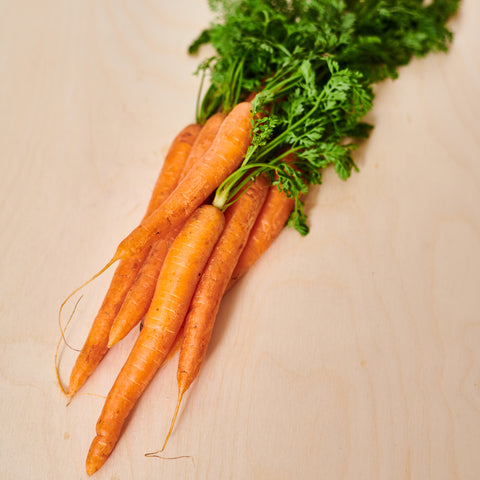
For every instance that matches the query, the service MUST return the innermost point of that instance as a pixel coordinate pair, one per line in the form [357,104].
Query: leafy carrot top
[313,64]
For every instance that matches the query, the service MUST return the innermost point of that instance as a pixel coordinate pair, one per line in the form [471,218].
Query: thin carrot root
[57,349]
[95,346]
[83,285]
[63,330]
[181,392]
[163,457]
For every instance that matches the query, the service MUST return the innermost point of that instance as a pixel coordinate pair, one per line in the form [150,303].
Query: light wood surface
[352,353]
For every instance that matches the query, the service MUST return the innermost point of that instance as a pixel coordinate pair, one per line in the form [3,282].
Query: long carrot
[268,225]
[138,299]
[95,346]
[224,156]
[239,219]
[176,284]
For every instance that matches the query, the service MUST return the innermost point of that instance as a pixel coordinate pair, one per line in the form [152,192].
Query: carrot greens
[313,64]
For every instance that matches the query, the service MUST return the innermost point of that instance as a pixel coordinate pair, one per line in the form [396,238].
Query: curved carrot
[95,346]
[268,225]
[222,158]
[138,299]
[204,140]
[239,219]
[176,284]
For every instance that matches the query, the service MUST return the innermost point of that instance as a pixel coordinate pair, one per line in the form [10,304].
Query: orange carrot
[239,219]
[176,284]
[177,344]
[95,346]
[204,141]
[138,299]
[175,160]
[222,158]
[268,225]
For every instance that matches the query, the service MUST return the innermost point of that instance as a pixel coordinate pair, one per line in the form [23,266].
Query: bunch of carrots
[175,267]
[261,138]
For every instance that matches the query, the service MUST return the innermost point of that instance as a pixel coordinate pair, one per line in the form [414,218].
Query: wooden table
[352,353]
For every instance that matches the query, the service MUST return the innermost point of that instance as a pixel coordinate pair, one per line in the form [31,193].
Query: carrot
[239,219]
[173,166]
[140,294]
[268,225]
[204,141]
[95,346]
[177,344]
[178,278]
[222,158]
[138,298]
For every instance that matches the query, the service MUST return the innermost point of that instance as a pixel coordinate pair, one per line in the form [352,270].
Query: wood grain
[349,354]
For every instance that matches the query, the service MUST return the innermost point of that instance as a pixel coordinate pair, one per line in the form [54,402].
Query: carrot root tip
[177,408]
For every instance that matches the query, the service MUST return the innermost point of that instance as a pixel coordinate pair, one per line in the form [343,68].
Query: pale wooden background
[350,354]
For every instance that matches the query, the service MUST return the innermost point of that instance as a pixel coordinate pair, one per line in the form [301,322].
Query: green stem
[199,96]
[279,139]
[229,187]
